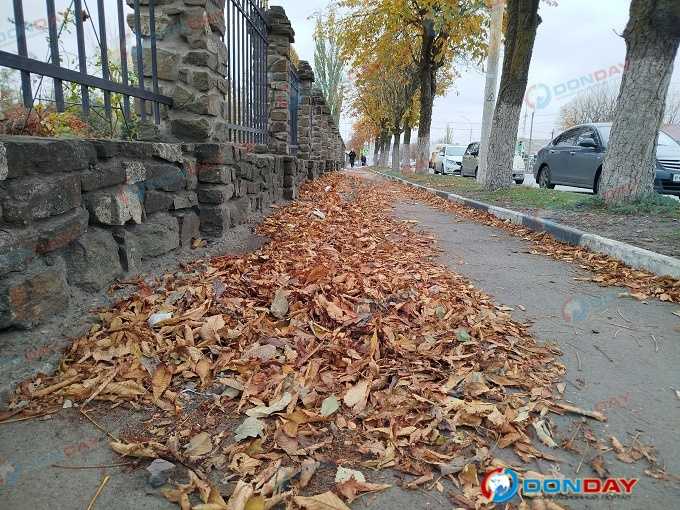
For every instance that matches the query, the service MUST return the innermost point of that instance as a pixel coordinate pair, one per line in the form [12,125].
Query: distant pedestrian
[363,160]
[352,157]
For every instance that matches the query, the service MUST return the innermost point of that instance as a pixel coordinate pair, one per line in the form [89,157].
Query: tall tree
[652,37]
[437,35]
[523,21]
[328,63]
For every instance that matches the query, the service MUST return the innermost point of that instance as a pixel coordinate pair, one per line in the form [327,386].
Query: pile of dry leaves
[341,342]
[607,271]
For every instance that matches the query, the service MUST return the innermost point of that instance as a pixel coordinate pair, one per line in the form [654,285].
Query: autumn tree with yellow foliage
[422,40]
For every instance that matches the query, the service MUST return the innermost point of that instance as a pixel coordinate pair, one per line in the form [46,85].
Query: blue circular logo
[500,485]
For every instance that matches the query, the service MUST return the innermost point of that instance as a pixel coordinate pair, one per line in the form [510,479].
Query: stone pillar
[326,124]
[191,67]
[317,128]
[281,36]
[305,110]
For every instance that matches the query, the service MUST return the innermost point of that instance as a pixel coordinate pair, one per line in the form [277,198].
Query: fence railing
[78,13]
[246,40]
[293,105]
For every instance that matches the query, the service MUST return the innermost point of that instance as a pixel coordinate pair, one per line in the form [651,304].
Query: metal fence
[293,105]
[246,40]
[79,12]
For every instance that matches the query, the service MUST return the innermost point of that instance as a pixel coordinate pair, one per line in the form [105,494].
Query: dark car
[574,158]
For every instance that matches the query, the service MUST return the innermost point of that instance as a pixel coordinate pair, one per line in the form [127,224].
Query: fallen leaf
[329,406]
[250,427]
[199,445]
[325,501]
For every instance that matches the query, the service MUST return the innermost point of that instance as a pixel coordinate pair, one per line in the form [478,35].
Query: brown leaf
[325,501]
[160,380]
[352,488]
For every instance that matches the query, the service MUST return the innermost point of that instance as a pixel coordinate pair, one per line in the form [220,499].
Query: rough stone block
[189,227]
[171,152]
[17,247]
[215,153]
[92,260]
[59,231]
[128,250]
[215,219]
[36,197]
[103,175]
[214,174]
[116,206]
[3,162]
[164,176]
[157,201]
[216,193]
[239,210]
[158,235]
[191,129]
[36,294]
[28,156]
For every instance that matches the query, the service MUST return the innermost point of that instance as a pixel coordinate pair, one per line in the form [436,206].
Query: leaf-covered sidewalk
[340,343]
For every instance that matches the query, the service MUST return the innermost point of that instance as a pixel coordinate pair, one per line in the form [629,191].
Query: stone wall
[84,213]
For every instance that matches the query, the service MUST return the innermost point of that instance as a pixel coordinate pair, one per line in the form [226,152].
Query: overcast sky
[576,43]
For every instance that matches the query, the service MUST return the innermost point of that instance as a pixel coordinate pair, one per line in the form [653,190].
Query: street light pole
[491,83]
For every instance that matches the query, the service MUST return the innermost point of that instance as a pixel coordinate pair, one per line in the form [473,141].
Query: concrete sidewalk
[617,369]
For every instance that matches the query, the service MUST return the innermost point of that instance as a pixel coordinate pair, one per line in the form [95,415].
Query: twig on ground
[24,418]
[98,426]
[105,480]
[577,410]
[604,353]
[102,466]
[656,344]
[578,358]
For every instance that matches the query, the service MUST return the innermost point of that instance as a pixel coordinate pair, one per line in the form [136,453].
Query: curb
[639,258]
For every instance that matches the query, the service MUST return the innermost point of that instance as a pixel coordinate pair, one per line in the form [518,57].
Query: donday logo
[500,485]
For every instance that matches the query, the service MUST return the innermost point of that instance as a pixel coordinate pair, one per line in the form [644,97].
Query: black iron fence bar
[228,26]
[22,49]
[246,70]
[82,57]
[260,30]
[154,59]
[140,58]
[123,58]
[45,69]
[54,53]
[104,50]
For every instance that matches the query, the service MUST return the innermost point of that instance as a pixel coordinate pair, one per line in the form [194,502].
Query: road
[613,365]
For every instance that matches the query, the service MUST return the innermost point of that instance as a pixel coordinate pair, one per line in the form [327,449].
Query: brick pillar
[305,110]
[281,36]
[191,67]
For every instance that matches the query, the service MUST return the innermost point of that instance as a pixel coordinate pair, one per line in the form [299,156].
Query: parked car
[471,164]
[575,156]
[449,159]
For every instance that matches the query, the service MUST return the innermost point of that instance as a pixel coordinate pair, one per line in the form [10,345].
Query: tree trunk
[388,148]
[523,21]
[428,86]
[652,37]
[396,159]
[406,148]
[376,151]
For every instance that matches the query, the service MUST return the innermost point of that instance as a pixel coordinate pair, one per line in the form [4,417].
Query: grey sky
[576,43]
